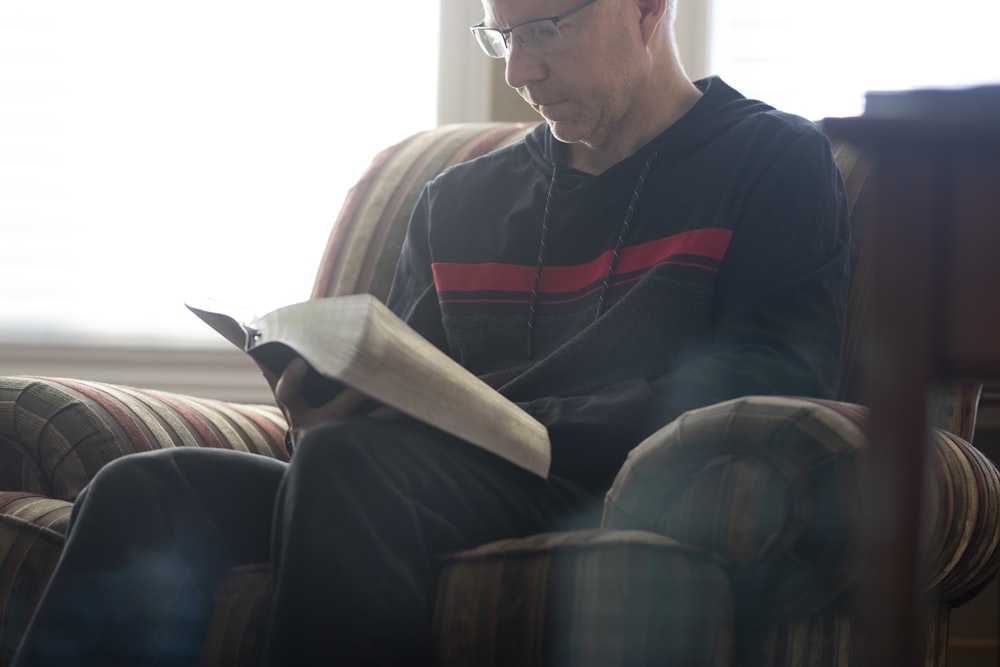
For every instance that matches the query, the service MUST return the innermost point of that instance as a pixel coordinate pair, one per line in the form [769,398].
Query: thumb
[288,389]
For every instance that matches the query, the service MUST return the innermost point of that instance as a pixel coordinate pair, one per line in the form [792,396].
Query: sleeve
[781,300]
[412,295]
[779,313]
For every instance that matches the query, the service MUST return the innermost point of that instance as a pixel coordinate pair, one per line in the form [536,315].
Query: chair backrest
[365,241]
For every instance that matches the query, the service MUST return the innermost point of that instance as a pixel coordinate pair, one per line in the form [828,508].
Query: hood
[720,108]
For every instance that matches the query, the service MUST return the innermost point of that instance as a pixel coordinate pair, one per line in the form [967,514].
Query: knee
[131,478]
[125,487]
[124,474]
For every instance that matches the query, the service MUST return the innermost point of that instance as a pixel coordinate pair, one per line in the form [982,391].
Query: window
[152,152]
[818,59]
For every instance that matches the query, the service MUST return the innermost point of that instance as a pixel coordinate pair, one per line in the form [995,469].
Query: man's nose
[523,67]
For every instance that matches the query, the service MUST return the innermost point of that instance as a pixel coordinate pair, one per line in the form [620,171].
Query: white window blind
[818,58]
[152,152]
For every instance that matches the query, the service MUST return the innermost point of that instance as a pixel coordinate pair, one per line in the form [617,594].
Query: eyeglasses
[537,35]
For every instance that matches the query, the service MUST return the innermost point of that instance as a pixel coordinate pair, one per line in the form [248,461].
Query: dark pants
[352,526]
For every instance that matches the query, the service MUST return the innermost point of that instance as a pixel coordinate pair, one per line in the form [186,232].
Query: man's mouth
[539,103]
[542,106]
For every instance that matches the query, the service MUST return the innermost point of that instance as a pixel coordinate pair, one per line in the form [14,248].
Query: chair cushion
[236,636]
[364,244]
[599,598]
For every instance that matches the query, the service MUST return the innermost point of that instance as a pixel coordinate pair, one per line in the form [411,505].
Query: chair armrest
[56,433]
[771,485]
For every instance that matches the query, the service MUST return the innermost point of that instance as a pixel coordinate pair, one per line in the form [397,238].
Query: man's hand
[300,415]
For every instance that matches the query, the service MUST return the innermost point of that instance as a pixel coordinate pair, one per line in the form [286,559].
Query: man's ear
[651,12]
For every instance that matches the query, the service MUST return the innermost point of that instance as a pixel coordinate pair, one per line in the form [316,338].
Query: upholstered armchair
[727,538]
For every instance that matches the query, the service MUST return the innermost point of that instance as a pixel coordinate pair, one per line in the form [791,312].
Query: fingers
[385,412]
[298,411]
[301,415]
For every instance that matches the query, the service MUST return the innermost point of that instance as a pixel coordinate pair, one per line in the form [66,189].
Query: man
[655,246]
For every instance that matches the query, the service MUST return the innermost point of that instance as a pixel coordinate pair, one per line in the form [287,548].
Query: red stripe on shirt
[496,277]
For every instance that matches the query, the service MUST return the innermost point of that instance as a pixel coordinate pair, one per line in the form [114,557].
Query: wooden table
[935,315]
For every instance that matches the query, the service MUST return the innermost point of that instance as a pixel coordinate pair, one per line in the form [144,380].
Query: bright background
[153,152]
[817,58]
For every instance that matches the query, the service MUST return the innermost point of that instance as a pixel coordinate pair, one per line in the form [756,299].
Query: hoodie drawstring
[615,253]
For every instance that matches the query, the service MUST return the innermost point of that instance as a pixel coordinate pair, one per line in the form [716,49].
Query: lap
[355,466]
[436,473]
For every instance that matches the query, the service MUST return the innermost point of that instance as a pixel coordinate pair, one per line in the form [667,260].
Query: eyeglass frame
[507,32]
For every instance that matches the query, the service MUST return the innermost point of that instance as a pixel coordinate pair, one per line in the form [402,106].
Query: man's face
[584,87]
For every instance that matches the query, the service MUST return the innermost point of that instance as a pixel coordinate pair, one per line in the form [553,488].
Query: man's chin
[566,131]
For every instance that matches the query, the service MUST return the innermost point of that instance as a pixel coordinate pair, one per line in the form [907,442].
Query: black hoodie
[712,263]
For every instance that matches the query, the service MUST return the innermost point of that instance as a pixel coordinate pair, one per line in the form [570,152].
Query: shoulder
[740,122]
[499,163]
[487,186]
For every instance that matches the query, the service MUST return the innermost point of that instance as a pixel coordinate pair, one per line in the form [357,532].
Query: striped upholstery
[585,599]
[31,538]
[55,433]
[66,430]
[770,485]
[831,640]
[767,483]
[236,636]
[364,244]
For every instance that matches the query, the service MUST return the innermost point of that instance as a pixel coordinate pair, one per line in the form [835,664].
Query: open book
[357,341]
